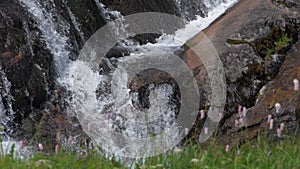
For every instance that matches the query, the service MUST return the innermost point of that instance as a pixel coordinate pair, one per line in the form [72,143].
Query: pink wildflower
[186,131]
[281,126]
[227,148]
[269,118]
[56,149]
[220,116]
[271,124]
[206,130]
[202,114]
[277,108]
[240,110]
[279,133]
[244,112]
[21,144]
[70,140]
[296,84]
[236,123]
[41,147]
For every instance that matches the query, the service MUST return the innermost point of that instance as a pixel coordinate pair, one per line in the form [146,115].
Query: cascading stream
[114,109]
[83,82]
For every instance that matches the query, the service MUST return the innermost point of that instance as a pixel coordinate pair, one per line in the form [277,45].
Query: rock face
[30,95]
[26,63]
[132,6]
[280,90]
[253,43]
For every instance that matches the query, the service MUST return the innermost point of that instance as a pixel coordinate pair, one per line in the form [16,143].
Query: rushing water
[113,102]
[81,80]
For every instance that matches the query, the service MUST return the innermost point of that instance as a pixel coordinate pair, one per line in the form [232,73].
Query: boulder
[252,40]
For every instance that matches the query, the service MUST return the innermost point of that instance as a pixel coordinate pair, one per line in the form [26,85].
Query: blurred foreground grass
[259,154]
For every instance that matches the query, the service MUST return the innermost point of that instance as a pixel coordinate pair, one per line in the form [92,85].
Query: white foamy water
[10,146]
[6,112]
[114,105]
[54,31]
[115,108]
[194,27]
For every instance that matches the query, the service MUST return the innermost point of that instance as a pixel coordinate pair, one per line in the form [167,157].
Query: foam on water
[114,107]
[54,33]
[194,27]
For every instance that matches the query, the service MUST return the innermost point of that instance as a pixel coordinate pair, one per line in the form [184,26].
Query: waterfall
[6,115]
[6,110]
[76,24]
[54,28]
[84,83]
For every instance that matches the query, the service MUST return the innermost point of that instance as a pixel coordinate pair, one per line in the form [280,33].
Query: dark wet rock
[118,51]
[77,19]
[131,6]
[189,9]
[142,81]
[27,64]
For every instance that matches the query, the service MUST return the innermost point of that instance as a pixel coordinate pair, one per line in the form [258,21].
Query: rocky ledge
[258,43]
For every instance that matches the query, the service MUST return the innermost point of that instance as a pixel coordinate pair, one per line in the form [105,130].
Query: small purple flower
[186,131]
[220,116]
[206,130]
[56,149]
[269,118]
[41,147]
[281,126]
[271,124]
[240,110]
[227,148]
[21,143]
[86,152]
[279,133]
[202,114]
[296,84]
[70,140]
[236,123]
[244,112]
[241,121]
[277,107]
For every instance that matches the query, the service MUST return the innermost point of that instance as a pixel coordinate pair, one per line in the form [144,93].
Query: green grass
[259,154]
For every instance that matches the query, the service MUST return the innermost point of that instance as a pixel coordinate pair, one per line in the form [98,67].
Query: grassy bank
[261,154]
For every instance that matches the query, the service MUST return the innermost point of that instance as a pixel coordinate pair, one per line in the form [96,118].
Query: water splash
[84,83]
[6,111]
[54,31]
[194,27]
[76,24]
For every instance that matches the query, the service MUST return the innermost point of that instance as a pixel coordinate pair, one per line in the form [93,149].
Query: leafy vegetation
[280,44]
[259,154]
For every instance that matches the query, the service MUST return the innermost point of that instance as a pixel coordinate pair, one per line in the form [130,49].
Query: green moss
[269,53]
[282,43]
[274,44]
[282,3]
[236,42]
